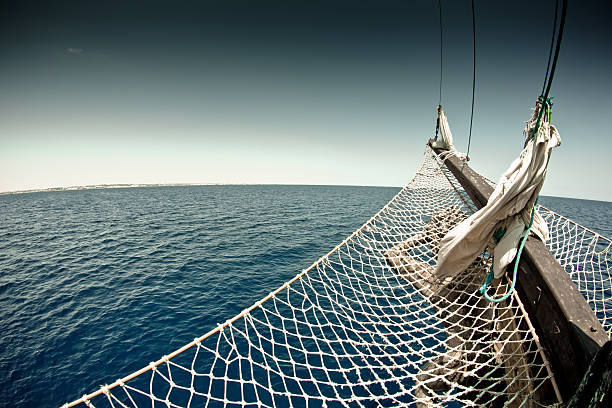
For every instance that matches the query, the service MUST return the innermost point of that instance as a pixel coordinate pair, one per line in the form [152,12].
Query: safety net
[587,258]
[369,324]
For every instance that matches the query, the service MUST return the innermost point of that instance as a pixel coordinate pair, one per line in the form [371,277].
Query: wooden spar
[596,387]
[566,326]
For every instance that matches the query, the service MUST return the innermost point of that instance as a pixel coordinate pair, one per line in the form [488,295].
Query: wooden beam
[596,387]
[566,326]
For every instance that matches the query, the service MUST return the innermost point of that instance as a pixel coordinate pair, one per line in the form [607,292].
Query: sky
[292,92]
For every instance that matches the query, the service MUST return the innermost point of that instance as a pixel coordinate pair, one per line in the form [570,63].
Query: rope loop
[490,275]
[544,107]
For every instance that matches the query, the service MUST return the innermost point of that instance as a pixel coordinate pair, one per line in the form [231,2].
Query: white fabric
[508,207]
[505,251]
[446,141]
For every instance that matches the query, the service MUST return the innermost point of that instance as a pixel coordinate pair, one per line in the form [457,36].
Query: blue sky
[321,92]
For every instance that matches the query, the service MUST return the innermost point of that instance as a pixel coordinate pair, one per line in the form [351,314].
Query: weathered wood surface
[595,390]
[474,330]
[566,326]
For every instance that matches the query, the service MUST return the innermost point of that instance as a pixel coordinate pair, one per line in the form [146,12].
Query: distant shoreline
[103,186]
[125,185]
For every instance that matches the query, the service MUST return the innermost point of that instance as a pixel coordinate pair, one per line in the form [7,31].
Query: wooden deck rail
[566,326]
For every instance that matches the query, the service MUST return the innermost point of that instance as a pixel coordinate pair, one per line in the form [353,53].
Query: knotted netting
[587,258]
[366,325]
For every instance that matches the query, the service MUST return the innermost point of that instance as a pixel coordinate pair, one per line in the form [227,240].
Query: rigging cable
[467,156]
[544,108]
[440,95]
[545,102]
[557,48]
[552,46]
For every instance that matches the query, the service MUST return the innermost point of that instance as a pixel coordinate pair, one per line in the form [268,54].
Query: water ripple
[95,284]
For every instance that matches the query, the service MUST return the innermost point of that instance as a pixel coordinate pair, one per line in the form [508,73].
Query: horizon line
[140,185]
[137,185]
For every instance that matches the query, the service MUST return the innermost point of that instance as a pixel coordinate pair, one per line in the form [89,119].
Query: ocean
[95,284]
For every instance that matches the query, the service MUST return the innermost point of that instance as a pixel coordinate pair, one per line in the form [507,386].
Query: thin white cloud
[77,51]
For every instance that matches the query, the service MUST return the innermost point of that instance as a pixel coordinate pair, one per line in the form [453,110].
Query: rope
[441,48]
[545,105]
[557,48]
[544,97]
[552,42]
[489,279]
[467,157]
[440,95]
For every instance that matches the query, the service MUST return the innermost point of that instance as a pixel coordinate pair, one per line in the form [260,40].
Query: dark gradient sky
[315,92]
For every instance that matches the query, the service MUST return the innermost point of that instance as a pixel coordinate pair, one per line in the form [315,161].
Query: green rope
[489,278]
[545,106]
[499,234]
[544,112]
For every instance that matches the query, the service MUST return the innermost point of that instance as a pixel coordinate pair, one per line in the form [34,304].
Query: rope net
[369,325]
[587,258]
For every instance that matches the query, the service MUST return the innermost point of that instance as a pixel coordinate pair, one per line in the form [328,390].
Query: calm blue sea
[95,284]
